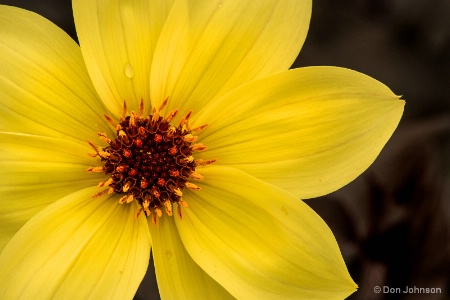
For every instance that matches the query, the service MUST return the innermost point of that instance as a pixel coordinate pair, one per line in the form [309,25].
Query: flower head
[175,128]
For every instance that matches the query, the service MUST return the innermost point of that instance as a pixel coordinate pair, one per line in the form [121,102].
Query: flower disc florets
[150,160]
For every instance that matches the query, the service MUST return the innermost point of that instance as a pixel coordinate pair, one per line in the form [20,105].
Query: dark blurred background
[392,223]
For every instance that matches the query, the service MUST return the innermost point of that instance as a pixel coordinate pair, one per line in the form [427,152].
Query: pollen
[150,161]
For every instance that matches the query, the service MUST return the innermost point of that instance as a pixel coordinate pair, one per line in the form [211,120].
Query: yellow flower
[221,215]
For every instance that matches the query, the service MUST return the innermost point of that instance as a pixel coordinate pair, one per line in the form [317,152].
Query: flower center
[150,161]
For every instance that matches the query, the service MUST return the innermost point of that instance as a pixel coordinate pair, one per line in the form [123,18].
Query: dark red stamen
[143,158]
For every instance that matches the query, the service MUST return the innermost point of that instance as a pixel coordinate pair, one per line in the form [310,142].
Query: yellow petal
[179,277]
[211,46]
[260,242]
[44,86]
[118,39]
[36,171]
[310,130]
[80,248]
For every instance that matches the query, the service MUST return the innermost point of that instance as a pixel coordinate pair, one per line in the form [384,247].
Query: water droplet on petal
[129,72]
